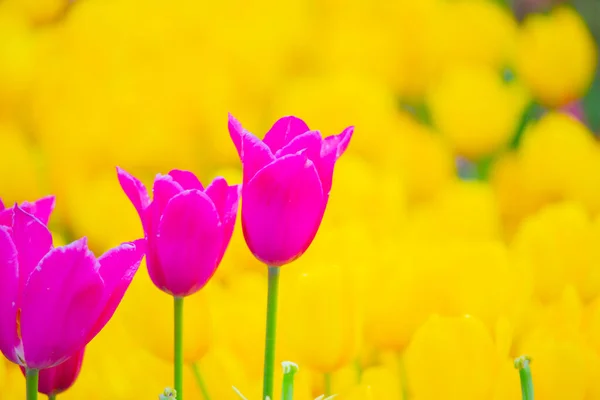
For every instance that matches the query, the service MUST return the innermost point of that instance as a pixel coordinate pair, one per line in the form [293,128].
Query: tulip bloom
[53,301]
[188,228]
[41,209]
[58,379]
[287,179]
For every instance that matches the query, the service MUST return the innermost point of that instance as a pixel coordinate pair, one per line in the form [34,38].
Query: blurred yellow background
[463,226]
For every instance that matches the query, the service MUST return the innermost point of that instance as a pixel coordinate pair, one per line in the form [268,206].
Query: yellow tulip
[17,61]
[545,42]
[475,110]
[558,244]
[20,167]
[419,36]
[451,358]
[328,104]
[555,155]
[147,314]
[240,321]
[425,161]
[377,383]
[448,279]
[99,209]
[506,179]
[361,188]
[479,32]
[462,209]
[558,367]
[319,314]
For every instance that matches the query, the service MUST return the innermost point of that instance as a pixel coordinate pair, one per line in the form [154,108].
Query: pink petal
[60,305]
[33,241]
[217,191]
[237,132]
[55,380]
[284,131]
[253,153]
[309,141]
[41,208]
[135,190]
[332,149]
[9,286]
[164,189]
[189,241]
[337,143]
[117,269]
[6,217]
[282,209]
[186,179]
[226,200]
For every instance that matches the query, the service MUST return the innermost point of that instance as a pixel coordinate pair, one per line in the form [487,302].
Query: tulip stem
[403,379]
[31,382]
[200,382]
[269,366]
[287,389]
[178,325]
[327,384]
[522,364]
[52,397]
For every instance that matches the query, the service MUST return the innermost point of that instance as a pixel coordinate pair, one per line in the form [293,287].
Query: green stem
[403,379]
[52,397]
[200,382]
[327,380]
[178,325]
[271,332]
[287,390]
[522,364]
[31,382]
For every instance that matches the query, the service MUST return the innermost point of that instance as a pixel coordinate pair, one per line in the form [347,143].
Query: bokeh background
[463,227]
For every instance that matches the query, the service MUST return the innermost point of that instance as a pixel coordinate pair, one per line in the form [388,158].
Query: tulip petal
[237,132]
[165,188]
[9,286]
[337,143]
[309,141]
[189,241]
[6,217]
[282,208]
[135,190]
[226,200]
[186,179]
[33,241]
[117,269]
[253,153]
[41,208]
[53,381]
[284,131]
[332,149]
[60,305]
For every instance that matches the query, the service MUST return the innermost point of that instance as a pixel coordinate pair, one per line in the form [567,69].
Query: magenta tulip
[56,380]
[188,228]
[287,178]
[53,301]
[41,209]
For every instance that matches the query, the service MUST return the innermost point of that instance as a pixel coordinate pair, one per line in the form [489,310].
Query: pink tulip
[188,228]
[41,209]
[287,178]
[53,301]
[56,380]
